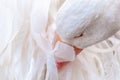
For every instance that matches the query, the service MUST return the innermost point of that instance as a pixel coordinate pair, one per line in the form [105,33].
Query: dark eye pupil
[79,36]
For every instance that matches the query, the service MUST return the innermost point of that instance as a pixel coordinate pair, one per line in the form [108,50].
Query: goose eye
[79,35]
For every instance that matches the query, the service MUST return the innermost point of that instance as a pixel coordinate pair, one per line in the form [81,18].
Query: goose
[83,23]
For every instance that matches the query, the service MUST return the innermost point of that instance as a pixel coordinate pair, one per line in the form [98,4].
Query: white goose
[85,22]
[27,51]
